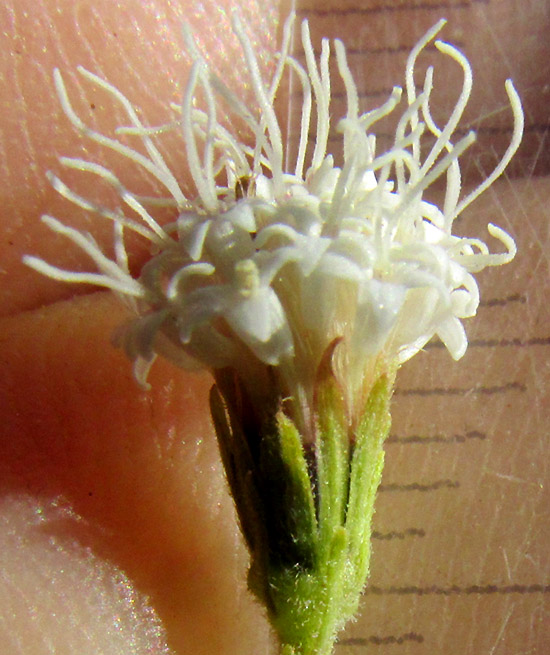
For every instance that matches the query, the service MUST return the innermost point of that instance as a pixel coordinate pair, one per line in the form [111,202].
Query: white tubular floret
[273,262]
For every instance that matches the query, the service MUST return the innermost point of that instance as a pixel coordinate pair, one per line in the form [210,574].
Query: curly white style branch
[271,261]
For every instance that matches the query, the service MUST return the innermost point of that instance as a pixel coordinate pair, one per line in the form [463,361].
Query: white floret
[270,262]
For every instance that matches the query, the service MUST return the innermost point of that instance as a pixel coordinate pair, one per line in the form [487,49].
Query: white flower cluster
[273,263]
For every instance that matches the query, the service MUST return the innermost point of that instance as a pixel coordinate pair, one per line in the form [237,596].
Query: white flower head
[273,263]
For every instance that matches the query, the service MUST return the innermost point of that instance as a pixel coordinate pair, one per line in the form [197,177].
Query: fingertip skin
[140,467]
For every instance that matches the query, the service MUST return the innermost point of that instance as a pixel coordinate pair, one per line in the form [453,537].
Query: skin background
[117,532]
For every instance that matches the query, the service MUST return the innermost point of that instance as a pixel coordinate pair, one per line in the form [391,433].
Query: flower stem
[312,605]
[307,522]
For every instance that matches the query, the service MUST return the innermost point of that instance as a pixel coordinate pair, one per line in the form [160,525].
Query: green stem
[312,605]
[306,516]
